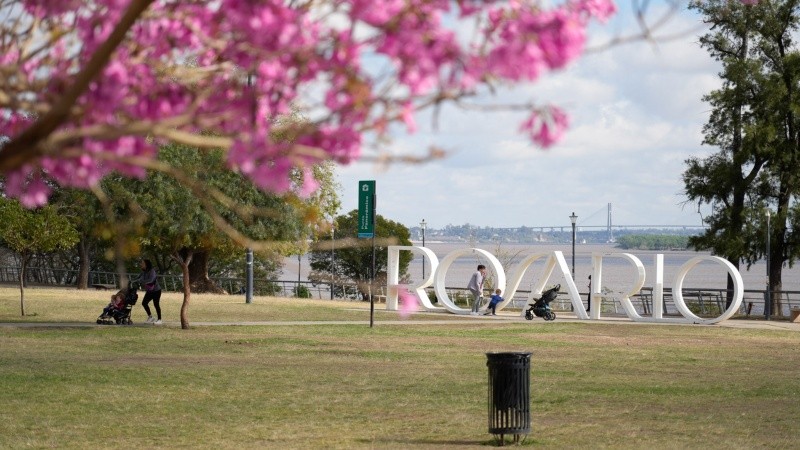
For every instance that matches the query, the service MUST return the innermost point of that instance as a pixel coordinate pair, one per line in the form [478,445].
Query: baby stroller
[121,316]
[541,308]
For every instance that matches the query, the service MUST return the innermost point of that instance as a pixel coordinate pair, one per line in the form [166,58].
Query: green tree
[258,215]
[189,221]
[652,241]
[85,213]
[725,178]
[778,109]
[352,260]
[754,124]
[28,232]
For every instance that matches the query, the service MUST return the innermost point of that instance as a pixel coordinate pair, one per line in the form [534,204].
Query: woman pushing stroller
[152,291]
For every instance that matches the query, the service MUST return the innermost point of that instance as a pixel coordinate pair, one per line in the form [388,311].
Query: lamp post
[423,225]
[333,258]
[248,290]
[300,250]
[574,219]
[767,296]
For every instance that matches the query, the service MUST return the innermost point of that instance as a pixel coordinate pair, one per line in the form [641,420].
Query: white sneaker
[157,322]
[149,319]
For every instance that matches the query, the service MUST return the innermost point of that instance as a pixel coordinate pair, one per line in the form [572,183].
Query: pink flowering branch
[25,147]
[120,78]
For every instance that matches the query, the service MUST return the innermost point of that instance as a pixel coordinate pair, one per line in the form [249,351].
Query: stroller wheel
[548,316]
[99,322]
[528,315]
[553,316]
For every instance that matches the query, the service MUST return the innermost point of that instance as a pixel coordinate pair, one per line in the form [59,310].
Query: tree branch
[25,147]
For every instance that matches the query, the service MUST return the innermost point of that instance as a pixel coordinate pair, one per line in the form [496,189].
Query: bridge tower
[608,226]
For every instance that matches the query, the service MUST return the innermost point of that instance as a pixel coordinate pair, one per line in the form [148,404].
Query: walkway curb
[460,320]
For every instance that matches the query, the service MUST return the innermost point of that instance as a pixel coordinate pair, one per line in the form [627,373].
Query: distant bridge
[562,228]
[610,227]
[606,227]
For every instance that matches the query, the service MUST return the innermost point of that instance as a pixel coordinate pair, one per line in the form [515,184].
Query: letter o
[444,265]
[677,289]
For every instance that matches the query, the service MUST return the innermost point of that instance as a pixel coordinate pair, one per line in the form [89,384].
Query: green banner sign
[366,209]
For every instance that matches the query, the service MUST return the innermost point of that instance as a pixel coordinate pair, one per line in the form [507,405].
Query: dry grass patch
[407,386]
[71,305]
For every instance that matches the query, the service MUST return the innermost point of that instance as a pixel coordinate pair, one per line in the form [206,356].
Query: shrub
[302,292]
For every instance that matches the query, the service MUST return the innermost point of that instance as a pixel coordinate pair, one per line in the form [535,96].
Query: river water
[618,274]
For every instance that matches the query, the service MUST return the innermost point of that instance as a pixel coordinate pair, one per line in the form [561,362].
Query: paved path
[451,320]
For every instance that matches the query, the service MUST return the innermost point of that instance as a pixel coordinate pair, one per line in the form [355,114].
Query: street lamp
[574,219]
[767,296]
[333,258]
[423,225]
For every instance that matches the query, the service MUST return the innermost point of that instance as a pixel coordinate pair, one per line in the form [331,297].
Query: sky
[636,114]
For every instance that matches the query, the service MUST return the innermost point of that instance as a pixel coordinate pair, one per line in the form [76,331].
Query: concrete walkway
[451,320]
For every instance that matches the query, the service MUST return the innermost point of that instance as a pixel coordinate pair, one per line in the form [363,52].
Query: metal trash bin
[509,394]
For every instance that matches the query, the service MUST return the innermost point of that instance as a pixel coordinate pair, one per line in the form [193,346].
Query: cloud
[636,114]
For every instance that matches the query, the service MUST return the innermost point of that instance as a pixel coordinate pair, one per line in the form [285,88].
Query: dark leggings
[155,296]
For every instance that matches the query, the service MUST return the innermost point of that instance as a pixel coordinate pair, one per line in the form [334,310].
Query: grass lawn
[593,385]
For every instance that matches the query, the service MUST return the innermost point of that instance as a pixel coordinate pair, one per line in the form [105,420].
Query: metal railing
[38,276]
[703,302]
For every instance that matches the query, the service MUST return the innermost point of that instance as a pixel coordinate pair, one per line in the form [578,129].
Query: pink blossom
[408,117]
[42,8]
[27,185]
[309,184]
[408,302]
[36,193]
[236,69]
[547,126]
[601,10]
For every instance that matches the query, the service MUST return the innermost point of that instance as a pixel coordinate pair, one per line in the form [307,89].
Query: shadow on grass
[419,442]
[493,442]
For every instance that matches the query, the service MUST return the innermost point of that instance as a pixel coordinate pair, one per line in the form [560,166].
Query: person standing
[589,301]
[475,287]
[149,280]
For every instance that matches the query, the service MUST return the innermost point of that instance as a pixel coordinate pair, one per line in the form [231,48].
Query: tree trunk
[187,295]
[777,255]
[198,275]
[729,293]
[23,263]
[83,264]
[184,258]
[776,284]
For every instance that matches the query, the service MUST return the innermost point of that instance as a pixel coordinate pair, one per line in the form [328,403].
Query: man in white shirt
[475,287]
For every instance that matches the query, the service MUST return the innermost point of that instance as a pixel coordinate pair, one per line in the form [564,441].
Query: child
[117,303]
[493,303]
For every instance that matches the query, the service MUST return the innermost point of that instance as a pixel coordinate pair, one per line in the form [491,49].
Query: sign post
[366,229]
[366,209]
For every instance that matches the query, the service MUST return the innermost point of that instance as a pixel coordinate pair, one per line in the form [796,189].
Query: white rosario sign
[555,261]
